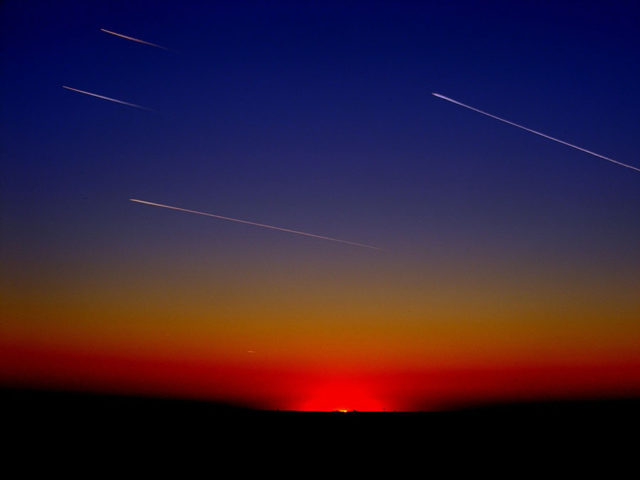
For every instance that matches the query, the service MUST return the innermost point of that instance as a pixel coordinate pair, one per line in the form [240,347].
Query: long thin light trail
[108,98]
[253,223]
[133,39]
[538,133]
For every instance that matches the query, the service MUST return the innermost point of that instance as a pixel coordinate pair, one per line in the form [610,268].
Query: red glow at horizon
[341,396]
[282,387]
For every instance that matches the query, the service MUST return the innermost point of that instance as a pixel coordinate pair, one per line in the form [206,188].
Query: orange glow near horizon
[305,388]
[341,332]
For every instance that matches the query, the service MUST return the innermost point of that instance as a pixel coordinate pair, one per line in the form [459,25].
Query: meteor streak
[253,223]
[108,98]
[133,39]
[538,133]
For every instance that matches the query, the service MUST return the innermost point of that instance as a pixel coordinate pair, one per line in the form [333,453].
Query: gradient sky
[510,266]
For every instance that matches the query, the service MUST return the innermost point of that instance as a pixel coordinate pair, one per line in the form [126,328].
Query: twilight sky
[510,265]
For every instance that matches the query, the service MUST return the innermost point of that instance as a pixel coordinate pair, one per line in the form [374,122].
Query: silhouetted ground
[46,428]
[42,409]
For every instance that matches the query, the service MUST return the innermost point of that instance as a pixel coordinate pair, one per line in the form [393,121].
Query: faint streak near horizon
[115,100]
[133,39]
[247,222]
[537,133]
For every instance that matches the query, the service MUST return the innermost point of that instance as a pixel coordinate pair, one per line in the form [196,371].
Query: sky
[508,265]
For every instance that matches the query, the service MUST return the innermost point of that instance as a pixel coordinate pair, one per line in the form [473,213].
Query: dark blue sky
[320,113]
[319,117]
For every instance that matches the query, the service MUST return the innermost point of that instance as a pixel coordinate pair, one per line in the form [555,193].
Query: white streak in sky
[254,223]
[539,133]
[133,39]
[108,98]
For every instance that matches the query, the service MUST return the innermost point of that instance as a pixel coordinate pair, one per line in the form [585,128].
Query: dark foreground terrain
[47,428]
[29,409]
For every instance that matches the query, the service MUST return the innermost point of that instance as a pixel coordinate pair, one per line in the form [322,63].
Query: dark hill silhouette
[38,408]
